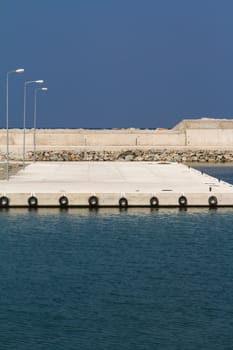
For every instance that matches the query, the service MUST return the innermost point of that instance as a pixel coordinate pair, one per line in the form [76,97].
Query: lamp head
[21,70]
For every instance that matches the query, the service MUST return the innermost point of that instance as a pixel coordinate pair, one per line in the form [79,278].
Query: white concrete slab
[109,181]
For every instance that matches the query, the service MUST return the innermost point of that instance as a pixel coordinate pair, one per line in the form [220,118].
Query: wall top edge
[95,131]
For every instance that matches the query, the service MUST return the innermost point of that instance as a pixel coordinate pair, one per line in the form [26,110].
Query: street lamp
[24,111]
[20,70]
[35,119]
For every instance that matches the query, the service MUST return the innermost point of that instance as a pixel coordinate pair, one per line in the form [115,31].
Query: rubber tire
[154,202]
[183,201]
[32,202]
[123,202]
[93,201]
[63,201]
[4,202]
[213,202]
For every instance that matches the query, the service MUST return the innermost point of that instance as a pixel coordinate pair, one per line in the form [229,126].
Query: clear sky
[117,63]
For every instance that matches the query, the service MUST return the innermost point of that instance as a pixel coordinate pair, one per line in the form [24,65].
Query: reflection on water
[113,212]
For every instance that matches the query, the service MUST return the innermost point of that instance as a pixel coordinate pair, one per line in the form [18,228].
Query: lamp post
[24,111]
[35,118]
[20,70]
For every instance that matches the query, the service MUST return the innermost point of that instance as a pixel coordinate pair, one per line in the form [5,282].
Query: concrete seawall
[189,141]
[188,133]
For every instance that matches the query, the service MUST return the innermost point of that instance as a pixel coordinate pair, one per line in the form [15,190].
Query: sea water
[111,279]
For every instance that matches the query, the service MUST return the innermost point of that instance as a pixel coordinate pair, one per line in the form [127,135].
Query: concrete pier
[143,184]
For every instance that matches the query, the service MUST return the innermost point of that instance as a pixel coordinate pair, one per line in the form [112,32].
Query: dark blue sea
[108,279]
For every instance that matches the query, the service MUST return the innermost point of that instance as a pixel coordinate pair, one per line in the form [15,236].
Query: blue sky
[117,63]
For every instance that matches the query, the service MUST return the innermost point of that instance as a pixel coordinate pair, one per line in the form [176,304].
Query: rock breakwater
[185,156]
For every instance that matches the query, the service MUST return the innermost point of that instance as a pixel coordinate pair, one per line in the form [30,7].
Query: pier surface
[138,182]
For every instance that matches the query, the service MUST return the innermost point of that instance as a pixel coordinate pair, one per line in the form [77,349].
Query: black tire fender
[32,202]
[183,201]
[123,202]
[4,202]
[213,201]
[154,202]
[93,201]
[63,201]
